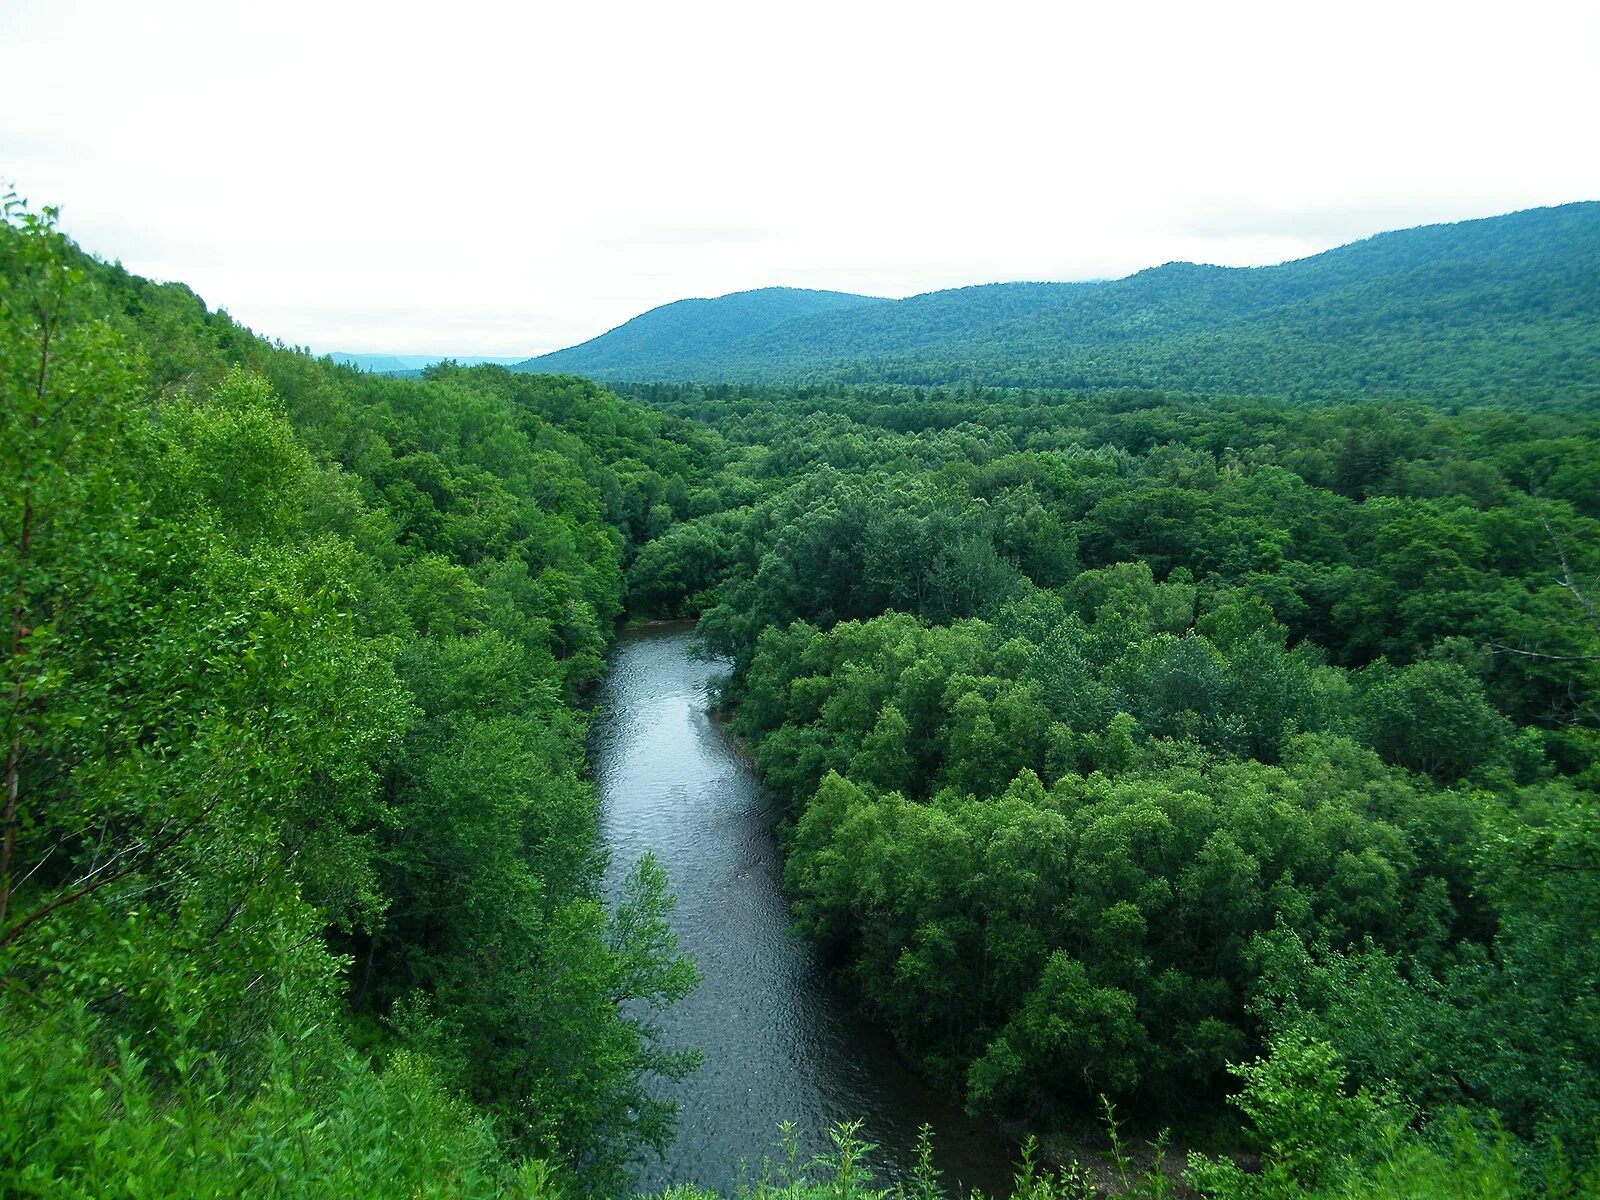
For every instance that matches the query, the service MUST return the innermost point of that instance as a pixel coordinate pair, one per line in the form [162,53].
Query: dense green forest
[1184,752]
[1128,736]
[299,883]
[1504,309]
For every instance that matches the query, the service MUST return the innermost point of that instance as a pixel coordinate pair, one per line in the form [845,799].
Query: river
[780,1044]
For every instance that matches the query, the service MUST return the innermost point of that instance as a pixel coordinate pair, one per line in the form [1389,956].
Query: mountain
[692,330]
[403,364]
[1504,308]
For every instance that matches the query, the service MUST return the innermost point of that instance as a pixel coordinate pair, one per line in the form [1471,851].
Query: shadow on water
[779,1044]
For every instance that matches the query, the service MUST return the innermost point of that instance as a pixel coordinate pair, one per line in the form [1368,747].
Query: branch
[1497,648]
[1567,580]
[88,885]
[72,897]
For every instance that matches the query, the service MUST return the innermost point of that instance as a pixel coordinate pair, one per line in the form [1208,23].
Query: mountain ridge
[709,322]
[1496,307]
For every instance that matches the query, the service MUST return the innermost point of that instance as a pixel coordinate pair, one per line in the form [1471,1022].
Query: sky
[506,179]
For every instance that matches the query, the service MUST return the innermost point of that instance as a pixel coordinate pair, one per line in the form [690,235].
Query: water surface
[780,1043]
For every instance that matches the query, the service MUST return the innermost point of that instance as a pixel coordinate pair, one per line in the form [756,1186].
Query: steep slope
[1505,308]
[279,614]
[693,330]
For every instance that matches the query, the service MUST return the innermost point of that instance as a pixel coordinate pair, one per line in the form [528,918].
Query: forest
[299,883]
[1497,310]
[1196,754]
[1129,737]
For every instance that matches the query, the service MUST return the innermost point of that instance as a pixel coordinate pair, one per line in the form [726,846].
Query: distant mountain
[403,364]
[664,338]
[1506,308]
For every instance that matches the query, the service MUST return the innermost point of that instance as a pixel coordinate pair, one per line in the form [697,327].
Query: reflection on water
[779,1045]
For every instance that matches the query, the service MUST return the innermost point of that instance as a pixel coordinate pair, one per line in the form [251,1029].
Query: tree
[884,759]
[1431,717]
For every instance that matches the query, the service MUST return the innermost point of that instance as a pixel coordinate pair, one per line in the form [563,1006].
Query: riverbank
[780,1043]
[693,796]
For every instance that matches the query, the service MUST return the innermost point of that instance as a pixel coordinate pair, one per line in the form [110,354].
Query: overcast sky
[510,178]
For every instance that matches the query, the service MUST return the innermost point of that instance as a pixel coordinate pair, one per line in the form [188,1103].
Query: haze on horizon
[482,180]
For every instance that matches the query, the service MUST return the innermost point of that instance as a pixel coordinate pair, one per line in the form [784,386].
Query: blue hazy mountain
[397,364]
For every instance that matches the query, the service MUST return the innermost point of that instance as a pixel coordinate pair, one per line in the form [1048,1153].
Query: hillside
[1505,308]
[1153,751]
[692,330]
[311,646]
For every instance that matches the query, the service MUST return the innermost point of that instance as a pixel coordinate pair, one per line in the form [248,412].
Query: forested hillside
[298,893]
[1504,309]
[1184,752]
[691,331]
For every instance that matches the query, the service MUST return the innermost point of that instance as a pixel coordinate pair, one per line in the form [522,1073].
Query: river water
[779,1043]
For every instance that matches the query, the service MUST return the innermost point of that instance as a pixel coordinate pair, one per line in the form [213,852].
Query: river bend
[779,1043]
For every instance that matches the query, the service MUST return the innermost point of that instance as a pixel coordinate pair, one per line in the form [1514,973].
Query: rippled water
[779,1044]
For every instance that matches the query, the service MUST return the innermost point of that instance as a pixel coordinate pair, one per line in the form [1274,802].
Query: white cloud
[502,179]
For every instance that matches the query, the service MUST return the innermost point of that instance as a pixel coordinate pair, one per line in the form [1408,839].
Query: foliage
[707,325]
[1500,309]
[1263,721]
[1117,736]
[1310,1131]
[300,883]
